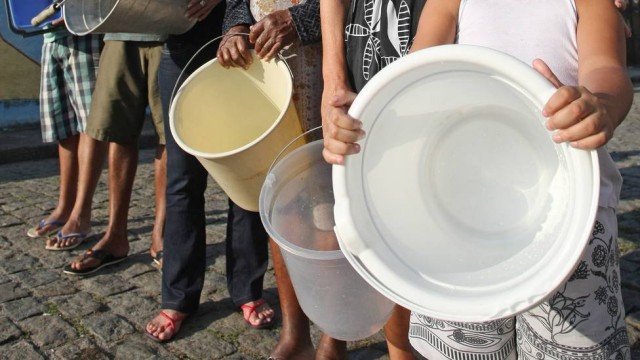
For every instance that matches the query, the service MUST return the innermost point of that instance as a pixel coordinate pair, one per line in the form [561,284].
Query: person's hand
[340,131]
[58,22]
[234,49]
[272,33]
[200,9]
[575,114]
[621,4]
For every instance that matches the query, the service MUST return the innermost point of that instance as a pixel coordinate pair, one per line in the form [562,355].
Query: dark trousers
[184,250]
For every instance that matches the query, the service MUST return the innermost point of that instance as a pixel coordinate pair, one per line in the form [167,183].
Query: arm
[340,131]
[587,115]
[234,50]
[283,27]
[437,25]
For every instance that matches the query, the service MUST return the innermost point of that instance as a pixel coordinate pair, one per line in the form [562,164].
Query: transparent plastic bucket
[296,207]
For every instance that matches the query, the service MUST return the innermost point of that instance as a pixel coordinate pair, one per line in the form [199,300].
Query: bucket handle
[275,160]
[175,86]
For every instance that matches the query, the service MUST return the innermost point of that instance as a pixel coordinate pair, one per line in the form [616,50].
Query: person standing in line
[271,27]
[68,76]
[184,252]
[585,317]
[126,84]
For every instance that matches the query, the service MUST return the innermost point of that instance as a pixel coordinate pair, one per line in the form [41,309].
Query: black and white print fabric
[583,320]
[377,33]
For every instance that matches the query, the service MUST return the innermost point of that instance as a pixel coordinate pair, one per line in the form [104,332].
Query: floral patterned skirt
[583,320]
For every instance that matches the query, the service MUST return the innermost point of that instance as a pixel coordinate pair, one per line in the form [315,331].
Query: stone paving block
[140,247]
[148,283]
[4,278]
[12,291]
[23,308]
[81,349]
[4,243]
[8,330]
[257,343]
[17,262]
[203,345]
[21,350]
[77,306]
[135,307]
[108,327]
[137,265]
[10,220]
[60,287]
[140,347]
[36,277]
[48,331]
[107,283]
[51,260]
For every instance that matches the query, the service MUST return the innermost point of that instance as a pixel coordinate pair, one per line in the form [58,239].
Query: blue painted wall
[20,111]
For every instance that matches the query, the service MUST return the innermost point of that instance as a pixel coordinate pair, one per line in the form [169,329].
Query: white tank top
[546,30]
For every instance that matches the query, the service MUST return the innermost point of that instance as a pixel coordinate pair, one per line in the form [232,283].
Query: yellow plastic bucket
[236,122]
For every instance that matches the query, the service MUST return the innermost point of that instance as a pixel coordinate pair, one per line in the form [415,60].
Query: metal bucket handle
[275,160]
[175,86]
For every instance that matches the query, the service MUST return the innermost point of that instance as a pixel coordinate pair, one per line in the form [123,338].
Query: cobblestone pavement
[48,315]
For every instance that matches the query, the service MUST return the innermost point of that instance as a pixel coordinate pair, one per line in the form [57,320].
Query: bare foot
[257,314]
[113,246]
[293,349]
[331,349]
[165,325]
[72,226]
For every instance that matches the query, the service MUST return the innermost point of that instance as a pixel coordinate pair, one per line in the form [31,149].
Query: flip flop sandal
[254,309]
[33,232]
[103,257]
[171,323]
[82,237]
[158,258]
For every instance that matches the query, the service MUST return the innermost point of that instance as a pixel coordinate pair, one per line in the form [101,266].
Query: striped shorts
[583,320]
[69,68]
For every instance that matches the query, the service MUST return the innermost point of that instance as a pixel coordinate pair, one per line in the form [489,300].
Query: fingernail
[548,125]
[361,135]
[557,138]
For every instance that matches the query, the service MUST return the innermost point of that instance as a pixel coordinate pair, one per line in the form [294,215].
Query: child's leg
[438,340]
[396,330]
[584,318]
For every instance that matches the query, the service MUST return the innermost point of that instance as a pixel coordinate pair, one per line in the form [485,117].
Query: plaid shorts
[69,68]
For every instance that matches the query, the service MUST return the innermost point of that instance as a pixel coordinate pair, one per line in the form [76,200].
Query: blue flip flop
[59,236]
[33,232]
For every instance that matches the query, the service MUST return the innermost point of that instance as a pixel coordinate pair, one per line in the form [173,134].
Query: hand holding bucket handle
[47,12]
[180,77]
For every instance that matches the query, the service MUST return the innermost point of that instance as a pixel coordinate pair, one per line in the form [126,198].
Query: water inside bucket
[250,112]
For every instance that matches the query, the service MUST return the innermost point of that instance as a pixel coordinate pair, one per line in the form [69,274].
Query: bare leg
[91,155]
[397,332]
[160,171]
[295,339]
[68,157]
[123,162]
[331,349]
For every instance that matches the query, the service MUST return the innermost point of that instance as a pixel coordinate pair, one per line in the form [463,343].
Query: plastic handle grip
[44,14]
